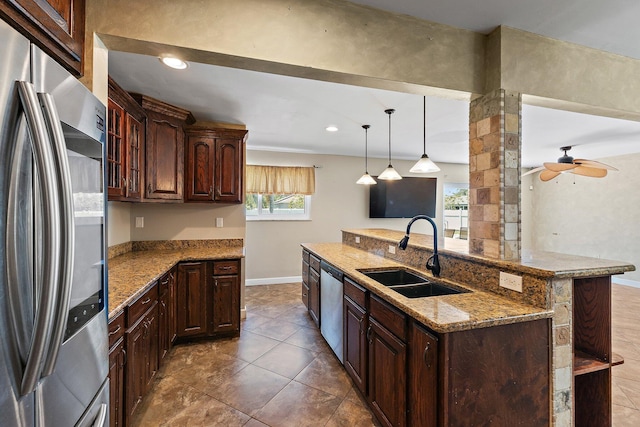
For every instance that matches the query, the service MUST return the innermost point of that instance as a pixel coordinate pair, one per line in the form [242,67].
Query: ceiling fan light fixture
[425,164]
[366,179]
[390,174]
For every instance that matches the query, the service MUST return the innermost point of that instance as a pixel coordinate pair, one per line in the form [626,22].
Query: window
[277,206]
[279,193]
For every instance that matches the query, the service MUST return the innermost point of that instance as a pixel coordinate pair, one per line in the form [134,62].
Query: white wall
[273,247]
[591,217]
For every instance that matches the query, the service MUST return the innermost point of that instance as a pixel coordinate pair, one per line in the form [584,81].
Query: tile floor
[280,372]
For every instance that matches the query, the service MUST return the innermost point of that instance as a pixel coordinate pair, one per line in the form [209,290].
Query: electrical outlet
[139,222]
[219,222]
[511,281]
[392,249]
[357,239]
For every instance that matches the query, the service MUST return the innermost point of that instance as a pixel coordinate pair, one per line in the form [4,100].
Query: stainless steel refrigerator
[53,322]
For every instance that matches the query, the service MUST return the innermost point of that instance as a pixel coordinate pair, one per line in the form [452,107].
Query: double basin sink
[409,284]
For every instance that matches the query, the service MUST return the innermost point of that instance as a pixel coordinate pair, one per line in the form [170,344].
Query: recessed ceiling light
[332,128]
[173,62]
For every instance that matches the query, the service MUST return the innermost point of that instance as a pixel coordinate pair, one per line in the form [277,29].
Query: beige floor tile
[309,338]
[625,417]
[288,409]
[277,329]
[352,414]
[248,346]
[316,375]
[286,360]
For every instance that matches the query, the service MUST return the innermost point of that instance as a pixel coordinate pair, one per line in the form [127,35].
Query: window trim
[306,216]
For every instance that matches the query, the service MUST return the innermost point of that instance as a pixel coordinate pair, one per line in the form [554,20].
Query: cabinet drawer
[314,262]
[356,292]
[225,267]
[136,309]
[305,256]
[116,329]
[392,319]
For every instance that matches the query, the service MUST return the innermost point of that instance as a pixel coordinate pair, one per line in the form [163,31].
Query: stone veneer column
[494,175]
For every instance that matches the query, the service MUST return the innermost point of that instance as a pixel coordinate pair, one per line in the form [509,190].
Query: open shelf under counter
[584,363]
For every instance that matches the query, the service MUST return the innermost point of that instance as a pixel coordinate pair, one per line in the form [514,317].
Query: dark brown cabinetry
[142,348]
[593,357]
[166,314]
[164,177]
[314,288]
[422,375]
[117,360]
[355,340]
[208,295]
[214,165]
[125,146]
[192,301]
[387,363]
[57,26]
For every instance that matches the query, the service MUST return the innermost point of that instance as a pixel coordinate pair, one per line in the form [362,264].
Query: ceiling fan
[567,164]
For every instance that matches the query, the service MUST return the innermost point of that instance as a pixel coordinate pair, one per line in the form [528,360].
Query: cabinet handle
[360,325]
[425,354]
[226,267]
[149,189]
[115,331]
[147,301]
[124,361]
[369,334]
[164,282]
[211,191]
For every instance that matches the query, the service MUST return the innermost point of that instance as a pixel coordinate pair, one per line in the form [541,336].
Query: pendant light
[390,173]
[366,179]
[425,164]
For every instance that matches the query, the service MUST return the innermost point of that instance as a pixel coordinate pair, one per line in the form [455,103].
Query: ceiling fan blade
[590,172]
[559,167]
[594,164]
[547,175]
[541,168]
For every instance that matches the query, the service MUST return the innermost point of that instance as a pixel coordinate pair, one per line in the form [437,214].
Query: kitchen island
[564,304]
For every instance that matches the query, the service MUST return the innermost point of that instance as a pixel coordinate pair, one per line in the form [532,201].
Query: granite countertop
[132,273]
[447,313]
[541,264]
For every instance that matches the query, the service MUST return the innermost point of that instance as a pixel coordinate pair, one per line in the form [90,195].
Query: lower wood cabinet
[314,295]
[422,376]
[117,360]
[355,326]
[208,295]
[166,314]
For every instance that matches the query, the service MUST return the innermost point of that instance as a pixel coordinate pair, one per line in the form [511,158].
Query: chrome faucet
[433,263]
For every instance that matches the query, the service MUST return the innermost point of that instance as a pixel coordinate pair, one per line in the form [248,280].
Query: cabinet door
[226,305]
[228,170]
[165,158]
[387,375]
[164,338]
[192,299]
[173,306]
[116,151]
[423,377]
[117,358]
[134,147]
[199,169]
[151,347]
[314,296]
[355,343]
[57,26]
[135,367]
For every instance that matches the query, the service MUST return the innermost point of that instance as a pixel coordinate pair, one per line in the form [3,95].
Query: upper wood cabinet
[125,146]
[214,165]
[164,149]
[56,26]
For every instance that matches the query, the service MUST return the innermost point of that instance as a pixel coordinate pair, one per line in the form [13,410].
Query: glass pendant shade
[389,174]
[425,164]
[366,179]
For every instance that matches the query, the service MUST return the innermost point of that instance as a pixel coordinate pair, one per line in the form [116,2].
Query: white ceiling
[290,114]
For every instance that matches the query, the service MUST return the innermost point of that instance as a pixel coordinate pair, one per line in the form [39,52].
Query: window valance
[280,179]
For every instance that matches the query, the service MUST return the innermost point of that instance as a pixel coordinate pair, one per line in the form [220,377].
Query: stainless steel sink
[409,284]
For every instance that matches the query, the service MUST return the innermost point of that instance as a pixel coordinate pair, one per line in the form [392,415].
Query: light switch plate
[219,222]
[392,249]
[511,281]
[357,239]
[139,222]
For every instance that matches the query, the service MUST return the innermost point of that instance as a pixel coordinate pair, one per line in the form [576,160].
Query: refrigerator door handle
[101,419]
[45,308]
[67,235]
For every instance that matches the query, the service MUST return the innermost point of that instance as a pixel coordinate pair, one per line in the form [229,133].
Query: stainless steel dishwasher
[331,307]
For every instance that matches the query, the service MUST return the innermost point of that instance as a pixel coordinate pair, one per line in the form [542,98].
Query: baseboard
[243,312]
[272,280]
[625,282]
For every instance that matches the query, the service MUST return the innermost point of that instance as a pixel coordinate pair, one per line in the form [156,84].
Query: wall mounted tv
[404,198]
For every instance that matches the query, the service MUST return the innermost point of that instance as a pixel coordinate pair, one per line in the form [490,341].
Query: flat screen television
[404,198]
